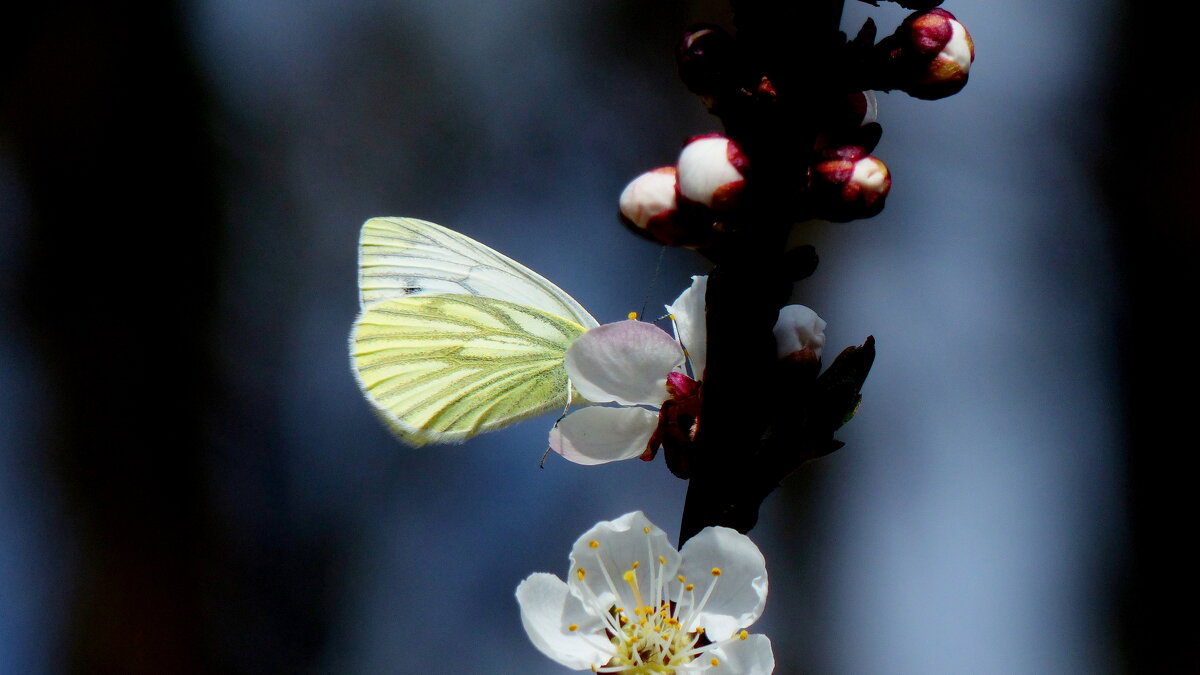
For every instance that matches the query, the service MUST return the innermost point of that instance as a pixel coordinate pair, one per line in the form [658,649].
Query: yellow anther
[689,587]
[662,560]
[716,571]
[743,635]
[681,579]
[579,573]
[715,662]
[671,317]
[646,530]
[635,564]
[628,577]
[700,630]
[631,315]
[573,627]
[593,544]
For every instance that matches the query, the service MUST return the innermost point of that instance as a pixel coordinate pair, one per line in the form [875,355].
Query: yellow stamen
[716,571]
[743,635]
[635,564]
[715,662]
[593,544]
[632,315]
[631,579]
[579,573]
[573,627]
[646,530]
[689,587]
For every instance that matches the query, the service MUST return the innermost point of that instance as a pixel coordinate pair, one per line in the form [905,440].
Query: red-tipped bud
[649,197]
[849,184]
[861,108]
[939,54]
[712,172]
[850,120]
[649,208]
[707,58]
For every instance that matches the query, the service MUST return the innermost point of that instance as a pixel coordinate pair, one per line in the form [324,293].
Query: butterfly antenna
[653,280]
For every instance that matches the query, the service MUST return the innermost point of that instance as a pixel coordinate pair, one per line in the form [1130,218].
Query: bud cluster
[682,205]
[800,157]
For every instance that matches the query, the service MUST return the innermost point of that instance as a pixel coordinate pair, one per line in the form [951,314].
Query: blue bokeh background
[972,524]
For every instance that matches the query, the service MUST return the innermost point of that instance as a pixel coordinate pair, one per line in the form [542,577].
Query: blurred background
[191,482]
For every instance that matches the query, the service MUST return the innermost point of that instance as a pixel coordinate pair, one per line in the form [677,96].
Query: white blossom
[626,363]
[634,605]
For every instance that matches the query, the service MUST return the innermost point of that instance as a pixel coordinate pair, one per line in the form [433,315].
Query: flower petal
[595,434]
[797,328]
[727,558]
[626,362]
[752,656]
[690,327]
[612,548]
[548,611]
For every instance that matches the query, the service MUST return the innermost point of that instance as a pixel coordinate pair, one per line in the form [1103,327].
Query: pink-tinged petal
[559,625]
[690,327]
[596,435]
[752,656]
[624,362]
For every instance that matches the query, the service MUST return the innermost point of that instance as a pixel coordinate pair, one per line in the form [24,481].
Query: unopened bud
[850,184]
[712,172]
[649,208]
[940,54]
[707,59]
[862,108]
[850,120]
[800,336]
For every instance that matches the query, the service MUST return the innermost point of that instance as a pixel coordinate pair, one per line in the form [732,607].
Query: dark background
[190,482]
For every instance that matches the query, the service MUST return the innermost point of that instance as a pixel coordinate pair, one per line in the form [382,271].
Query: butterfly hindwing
[442,368]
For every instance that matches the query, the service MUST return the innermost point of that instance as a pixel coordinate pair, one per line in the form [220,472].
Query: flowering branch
[794,97]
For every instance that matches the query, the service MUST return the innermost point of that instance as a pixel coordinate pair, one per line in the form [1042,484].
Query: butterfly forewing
[446,367]
[400,257]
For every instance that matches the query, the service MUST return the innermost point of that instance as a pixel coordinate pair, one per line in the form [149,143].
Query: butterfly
[454,338]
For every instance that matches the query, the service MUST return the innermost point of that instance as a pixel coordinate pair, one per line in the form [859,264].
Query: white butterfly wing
[442,368]
[399,257]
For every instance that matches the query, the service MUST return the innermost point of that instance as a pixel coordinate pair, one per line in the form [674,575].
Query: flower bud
[849,184]
[707,59]
[649,208]
[850,120]
[712,172]
[861,108]
[799,338]
[940,53]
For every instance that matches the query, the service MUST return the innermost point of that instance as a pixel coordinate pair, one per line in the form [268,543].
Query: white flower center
[652,637]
